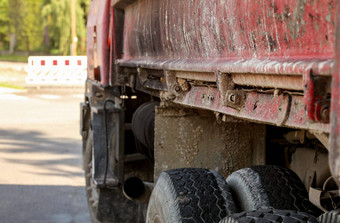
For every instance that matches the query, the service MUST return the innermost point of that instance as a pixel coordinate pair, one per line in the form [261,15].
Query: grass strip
[7,85]
[13,58]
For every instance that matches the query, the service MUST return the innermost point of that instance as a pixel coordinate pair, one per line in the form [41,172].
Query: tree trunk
[27,45]
[12,42]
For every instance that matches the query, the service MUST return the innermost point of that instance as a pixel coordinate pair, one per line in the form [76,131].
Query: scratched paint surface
[97,38]
[263,108]
[263,29]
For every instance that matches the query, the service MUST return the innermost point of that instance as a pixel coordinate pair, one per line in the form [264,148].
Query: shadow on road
[43,204]
[58,156]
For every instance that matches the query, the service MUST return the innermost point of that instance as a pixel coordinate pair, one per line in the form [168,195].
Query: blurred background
[42,27]
[41,176]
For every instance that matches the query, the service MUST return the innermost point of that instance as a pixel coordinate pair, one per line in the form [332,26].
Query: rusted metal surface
[297,117]
[235,99]
[315,96]
[334,154]
[280,110]
[276,107]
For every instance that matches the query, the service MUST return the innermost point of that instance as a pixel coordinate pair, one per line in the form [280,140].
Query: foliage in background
[13,86]
[41,25]
[4,22]
[14,58]
[25,23]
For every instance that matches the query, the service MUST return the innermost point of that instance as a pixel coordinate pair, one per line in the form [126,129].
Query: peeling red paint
[229,29]
[265,108]
[287,40]
[97,41]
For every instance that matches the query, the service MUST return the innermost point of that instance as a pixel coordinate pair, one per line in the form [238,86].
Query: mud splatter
[296,22]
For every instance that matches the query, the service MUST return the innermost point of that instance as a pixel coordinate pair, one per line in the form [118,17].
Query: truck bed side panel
[289,29]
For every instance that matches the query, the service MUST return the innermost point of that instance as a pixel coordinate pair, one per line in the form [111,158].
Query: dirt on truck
[212,111]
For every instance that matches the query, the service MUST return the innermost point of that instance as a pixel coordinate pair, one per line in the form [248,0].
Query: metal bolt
[178,88]
[232,98]
[324,114]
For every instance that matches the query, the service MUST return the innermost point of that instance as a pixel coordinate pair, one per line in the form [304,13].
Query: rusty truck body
[212,111]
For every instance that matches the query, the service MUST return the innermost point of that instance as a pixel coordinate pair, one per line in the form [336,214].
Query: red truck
[212,111]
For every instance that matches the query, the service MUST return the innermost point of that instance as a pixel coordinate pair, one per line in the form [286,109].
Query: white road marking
[13,97]
[81,96]
[48,96]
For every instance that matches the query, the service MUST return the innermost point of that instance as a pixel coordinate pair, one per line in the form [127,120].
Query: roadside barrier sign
[57,70]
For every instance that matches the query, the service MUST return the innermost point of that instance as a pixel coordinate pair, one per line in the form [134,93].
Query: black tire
[190,195]
[330,217]
[111,202]
[270,216]
[265,187]
[92,193]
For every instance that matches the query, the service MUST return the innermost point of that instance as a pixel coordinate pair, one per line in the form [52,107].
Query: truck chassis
[188,93]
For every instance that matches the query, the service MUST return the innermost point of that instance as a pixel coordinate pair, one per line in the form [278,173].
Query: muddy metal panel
[198,141]
[298,29]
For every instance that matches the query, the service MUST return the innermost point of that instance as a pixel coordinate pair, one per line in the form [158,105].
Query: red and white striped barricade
[57,70]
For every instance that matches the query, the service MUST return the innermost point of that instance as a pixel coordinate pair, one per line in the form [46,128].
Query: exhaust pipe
[137,190]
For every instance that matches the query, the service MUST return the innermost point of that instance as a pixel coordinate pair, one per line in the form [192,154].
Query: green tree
[15,15]
[4,25]
[41,25]
[25,24]
[32,30]
[82,11]
[57,15]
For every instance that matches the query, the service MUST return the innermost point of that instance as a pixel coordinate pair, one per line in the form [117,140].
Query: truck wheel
[92,193]
[330,217]
[190,195]
[111,202]
[270,216]
[264,187]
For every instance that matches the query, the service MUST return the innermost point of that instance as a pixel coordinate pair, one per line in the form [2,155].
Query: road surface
[41,180]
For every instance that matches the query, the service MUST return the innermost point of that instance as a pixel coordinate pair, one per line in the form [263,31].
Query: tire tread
[330,217]
[190,195]
[270,216]
[263,187]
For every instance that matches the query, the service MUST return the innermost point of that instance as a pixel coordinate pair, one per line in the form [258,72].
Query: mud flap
[108,145]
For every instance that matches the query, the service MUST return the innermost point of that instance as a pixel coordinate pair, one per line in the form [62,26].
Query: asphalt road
[41,180]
